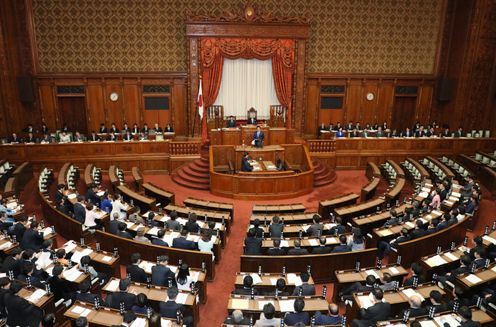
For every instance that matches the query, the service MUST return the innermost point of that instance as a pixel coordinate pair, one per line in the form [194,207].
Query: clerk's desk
[479,315]
[265,282]
[238,135]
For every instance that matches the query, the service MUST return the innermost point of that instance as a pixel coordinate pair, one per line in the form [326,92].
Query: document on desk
[435,261]
[36,296]
[182,298]
[428,323]
[365,301]
[194,275]
[473,279]
[241,304]
[106,258]
[286,305]
[451,319]
[153,231]
[409,292]
[72,196]
[410,224]
[394,271]
[113,286]
[451,256]
[82,312]
[284,244]
[385,232]
[262,303]
[294,279]
[256,278]
[489,239]
[146,266]
[70,246]
[313,242]
[139,322]
[72,274]
[5,245]
[165,323]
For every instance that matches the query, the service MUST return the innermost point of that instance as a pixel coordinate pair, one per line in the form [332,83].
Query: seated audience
[298,316]
[305,289]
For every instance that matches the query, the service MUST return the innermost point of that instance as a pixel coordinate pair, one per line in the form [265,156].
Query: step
[320,169]
[200,169]
[187,184]
[193,179]
[325,175]
[201,163]
[188,170]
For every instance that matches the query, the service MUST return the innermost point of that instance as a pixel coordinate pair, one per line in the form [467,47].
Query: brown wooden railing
[185,148]
[321,145]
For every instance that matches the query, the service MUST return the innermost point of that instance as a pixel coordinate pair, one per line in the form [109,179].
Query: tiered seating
[44,180]
[438,170]
[68,175]
[6,169]
[456,167]
[92,175]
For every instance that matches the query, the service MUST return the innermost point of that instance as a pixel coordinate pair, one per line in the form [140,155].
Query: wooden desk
[322,265]
[138,178]
[150,252]
[164,197]
[88,175]
[368,191]
[267,280]
[210,205]
[482,276]
[222,217]
[326,206]
[113,176]
[44,302]
[446,170]
[397,168]
[369,222]
[62,176]
[301,218]
[346,213]
[23,174]
[306,242]
[274,185]
[238,135]
[290,230]
[394,194]
[477,315]
[372,170]
[442,262]
[143,202]
[276,209]
[255,306]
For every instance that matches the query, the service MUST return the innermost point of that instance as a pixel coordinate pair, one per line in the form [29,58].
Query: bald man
[415,309]
[333,318]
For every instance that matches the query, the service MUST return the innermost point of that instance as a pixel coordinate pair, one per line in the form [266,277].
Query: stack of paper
[294,279]
[451,319]
[286,305]
[87,251]
[451,256]
[146,266]
[241,304]
[332,240]
[313,241]
[113,286]
[106,258]
[153,231]
[139,322]
[5,245]
[129,224]
[473,279]
[394,271]
[256,279]
[182,221]
[428,323]
[489,239]
[82,312]
[182,298]
[36,296]
[70,246]
[194,238]
[373,273]
[273,281]
[435,261]
[284,243]
[72,274]
[165,323]
[365,301]
[194,275]
[71,196]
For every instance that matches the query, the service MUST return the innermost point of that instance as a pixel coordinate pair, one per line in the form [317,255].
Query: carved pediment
[247,14]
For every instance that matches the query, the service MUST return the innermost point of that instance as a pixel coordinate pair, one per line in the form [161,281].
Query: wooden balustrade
[321,145]
[185,148]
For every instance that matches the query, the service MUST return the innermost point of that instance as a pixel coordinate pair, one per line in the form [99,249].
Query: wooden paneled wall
[355,105]
[128,108]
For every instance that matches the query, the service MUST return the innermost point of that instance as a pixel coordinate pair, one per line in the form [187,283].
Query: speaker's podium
[265,181]
[244,135]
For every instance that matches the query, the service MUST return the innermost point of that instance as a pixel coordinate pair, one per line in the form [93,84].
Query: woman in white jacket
[119,207]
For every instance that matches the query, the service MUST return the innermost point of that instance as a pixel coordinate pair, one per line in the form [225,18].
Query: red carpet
[215,310]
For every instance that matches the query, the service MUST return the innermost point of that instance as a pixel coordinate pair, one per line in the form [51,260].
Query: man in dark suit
[339,228]
[145,129]
[322,248]
[316,228]
[276,227]
[20,311]
[419,230]
[136,273]
[479,257]
[15,139]
[343,245]
[332,319]
[161,274]
[231,122]
[415,309]
[182,243]
[114,224]
[169,129]
[258,137]
[466,315]
[256,227]
[377,312]
[79,210]
[30,139]
[93,137]
[159,239]
[12,262]
[191,225]
[114,299]
[92,197]
[27,271]
[32,238]
[297,250]
[293,318]
[247,287]
[245,164]
[459,132]
[4,289]
[128,136]
[251,121]
[122,231]
[436,299]
[347,293]
[304,289]
[135,129]
[416,274]
[84,293]
[406,133]
[253,244]
[102,129]
[276,249]
[170,308]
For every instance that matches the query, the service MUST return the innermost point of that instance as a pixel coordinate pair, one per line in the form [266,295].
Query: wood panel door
[404,113]
[72,111]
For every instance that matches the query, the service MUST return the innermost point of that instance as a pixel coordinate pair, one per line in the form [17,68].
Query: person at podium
[245,163]
[231,122]
[251,120]
[258,138]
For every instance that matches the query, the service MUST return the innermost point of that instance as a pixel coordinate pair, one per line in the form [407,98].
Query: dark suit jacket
[470,323]
[306,289]
[258,231]
[124,234]
[137,274]
[321,319]
[87,297]
[192,227]
[409,281]
[158,241]
[259,137]
[231,123]
[183,243]
[79,212]
[418,232]
[297,251]
[417,312]
[315,229]
[276,230]
[251,121]
[31,240]
[59,288]
[114,300]
[276,251]
[377,312]
[439,308]
[21,312]
[245,165]
[92,197]
[321,250]
[169,309]
[161,275]
[230,321]
[295,317]
[341,248]
[114,227]
[253,245]
[3,293]
[11,264]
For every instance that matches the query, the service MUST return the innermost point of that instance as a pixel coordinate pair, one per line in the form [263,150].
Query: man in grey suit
[305,289]
[297,250]
[276,228]
[172,223]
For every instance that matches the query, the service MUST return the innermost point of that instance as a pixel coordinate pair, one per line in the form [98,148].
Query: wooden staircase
[194,175]
[323,175]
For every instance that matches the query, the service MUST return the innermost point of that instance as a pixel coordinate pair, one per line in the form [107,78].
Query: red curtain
[213,51]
